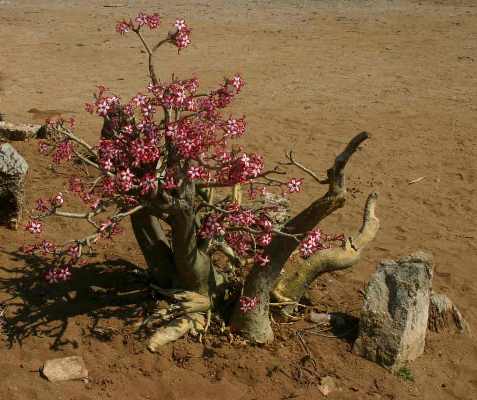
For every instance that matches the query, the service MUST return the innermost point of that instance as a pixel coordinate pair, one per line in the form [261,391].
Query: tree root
[183,302]
[193,323]
[185,314]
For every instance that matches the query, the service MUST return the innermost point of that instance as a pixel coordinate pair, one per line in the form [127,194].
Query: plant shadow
[102,291]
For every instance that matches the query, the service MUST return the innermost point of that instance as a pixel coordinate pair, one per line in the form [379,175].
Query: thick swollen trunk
[193,267]
[256,323]
[177,264]
[154,246]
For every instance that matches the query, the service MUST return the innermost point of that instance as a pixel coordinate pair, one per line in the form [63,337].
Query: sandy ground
[317,72]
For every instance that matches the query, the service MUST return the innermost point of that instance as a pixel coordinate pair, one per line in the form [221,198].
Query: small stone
[16,132]
[65,369]
[394,318]
[445,316]
[319,318]
[327,385]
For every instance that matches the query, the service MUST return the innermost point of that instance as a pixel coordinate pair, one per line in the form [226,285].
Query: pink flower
[64,151]
[64,273]
[103,108]
[56,275]
[196,173]
[124,180]
[182,35]
[47,247]
[262,260]
[34,226]
[141,19]
[74,251]
[264,240]
[148,183]
[153,21]
[180,24]
[58,200]
[211,227]
[106,164]
[108,187]
[123,27]
[237,82]
[294,185]
[44,148]
[248,303]
[51,277]
[139,100]
[235,127]
[42,206]
[312,243]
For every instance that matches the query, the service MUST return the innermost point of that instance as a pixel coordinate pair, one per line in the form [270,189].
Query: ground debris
[18,132]
[327,385]
[65,369]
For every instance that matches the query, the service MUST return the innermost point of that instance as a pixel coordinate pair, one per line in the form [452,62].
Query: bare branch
[152,73]
[125,214]
[76,139]
[292,161]
[336,173]
[299,276]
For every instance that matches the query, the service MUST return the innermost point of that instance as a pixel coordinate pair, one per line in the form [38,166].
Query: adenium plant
[166,160]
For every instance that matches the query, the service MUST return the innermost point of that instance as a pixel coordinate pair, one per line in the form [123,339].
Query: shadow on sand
[113,289]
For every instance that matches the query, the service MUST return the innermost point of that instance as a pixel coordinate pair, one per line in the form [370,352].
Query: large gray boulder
[395,314]
[13,169]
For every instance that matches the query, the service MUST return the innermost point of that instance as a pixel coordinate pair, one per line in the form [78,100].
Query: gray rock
[65,369]
[394,318]
[15,132]
[13,169]
[445,316]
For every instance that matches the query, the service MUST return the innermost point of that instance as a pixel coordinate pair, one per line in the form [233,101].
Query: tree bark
[154,246]
[297,277]
[255,324]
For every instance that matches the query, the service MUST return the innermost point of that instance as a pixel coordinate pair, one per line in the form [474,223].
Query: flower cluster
[180,36]
[152,21]
[316,240]
[55,275]
[248,232]
[248,303]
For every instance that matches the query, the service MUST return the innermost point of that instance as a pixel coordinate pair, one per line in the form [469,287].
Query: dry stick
[78,140]
[299,334]
[416,180]
[292,161]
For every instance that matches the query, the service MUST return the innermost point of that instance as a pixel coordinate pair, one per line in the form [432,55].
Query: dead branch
[292,161]
[296,278]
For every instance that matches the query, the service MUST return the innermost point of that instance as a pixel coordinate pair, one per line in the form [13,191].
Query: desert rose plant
[165,159]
